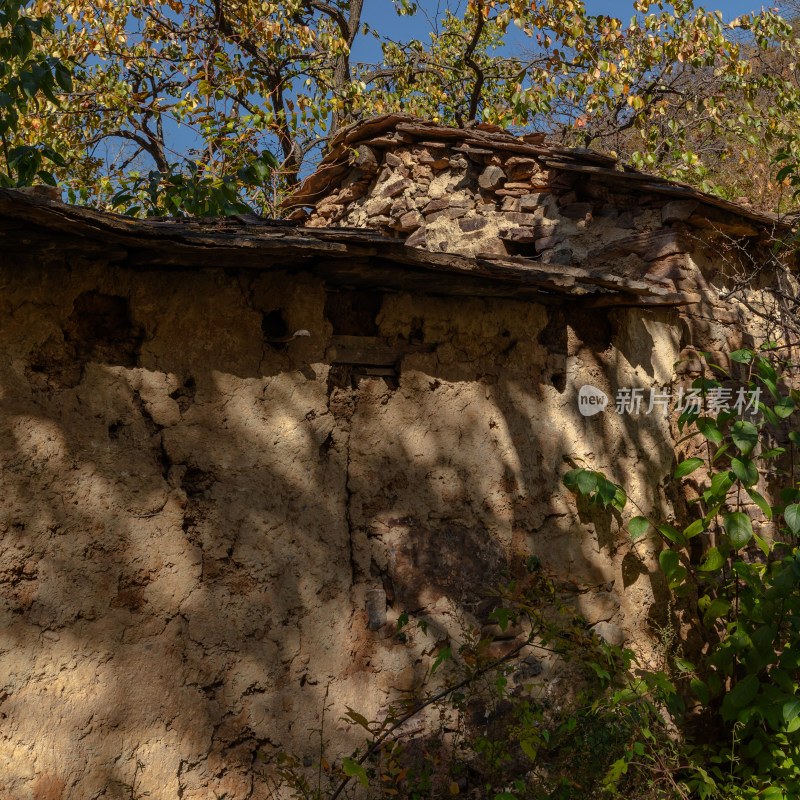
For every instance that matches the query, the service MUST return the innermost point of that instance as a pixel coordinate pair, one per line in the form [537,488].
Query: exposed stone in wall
[485,193]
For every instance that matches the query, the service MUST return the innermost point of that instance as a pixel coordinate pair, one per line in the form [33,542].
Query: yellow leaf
[454,788]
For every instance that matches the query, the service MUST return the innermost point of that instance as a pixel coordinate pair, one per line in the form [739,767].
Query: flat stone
[612,634]
[420,172]
[376,608]
[365,158]
[436,205]
[520,161]
[510,192]
[598,606]
[473,224]
[400,206]
[377,205]
[435,163]
[529,201]
[626,221]
[417,239]
[519,218]
[491,178]
[353,192]
[395,188]
[521,235]
[678,211]
[547,242]
[409,221]
[392,160]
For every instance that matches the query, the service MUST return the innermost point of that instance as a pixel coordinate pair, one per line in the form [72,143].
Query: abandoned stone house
[234,451]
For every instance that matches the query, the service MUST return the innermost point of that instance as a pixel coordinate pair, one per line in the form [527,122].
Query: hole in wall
[196,482]
[559,381]
[100,329]
[353,313]
[274,326]
[184,395]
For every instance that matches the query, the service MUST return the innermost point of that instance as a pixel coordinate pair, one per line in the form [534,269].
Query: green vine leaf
[739,528]
[638,527]
[745,436]
[688,467]
[792,516]
[354,770]
[760,501]
[745,470]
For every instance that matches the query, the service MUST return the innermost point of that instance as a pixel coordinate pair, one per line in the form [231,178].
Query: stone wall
[485,193]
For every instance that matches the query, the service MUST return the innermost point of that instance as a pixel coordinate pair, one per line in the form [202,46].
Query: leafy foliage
[745,588]
[28,81]
[492,729]
[219,82]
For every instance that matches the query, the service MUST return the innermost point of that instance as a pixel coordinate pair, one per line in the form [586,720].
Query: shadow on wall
[193,510]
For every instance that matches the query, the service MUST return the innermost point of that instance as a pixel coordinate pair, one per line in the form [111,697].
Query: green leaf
[697,527]
[606,490]
[586,481]
[745,470]
[707,427]
[763,544]
[701,691]
[761,502]
[672,533]
[670,562]
[529,749]
[687,467]
[744,692]
[445,654]
[720,484]
[745,436]
[765,369]
[716,608]
[63,77]
[791,709]
[354,769]
[784,407]
[773,452]
[638,527]
[790,495]
[792,516]
[769,415]
[739,528]
[742,356]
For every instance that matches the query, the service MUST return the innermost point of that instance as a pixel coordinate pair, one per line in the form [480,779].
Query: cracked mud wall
[193,517]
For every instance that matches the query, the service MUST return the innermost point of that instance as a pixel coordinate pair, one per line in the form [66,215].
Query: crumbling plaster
[192,516]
